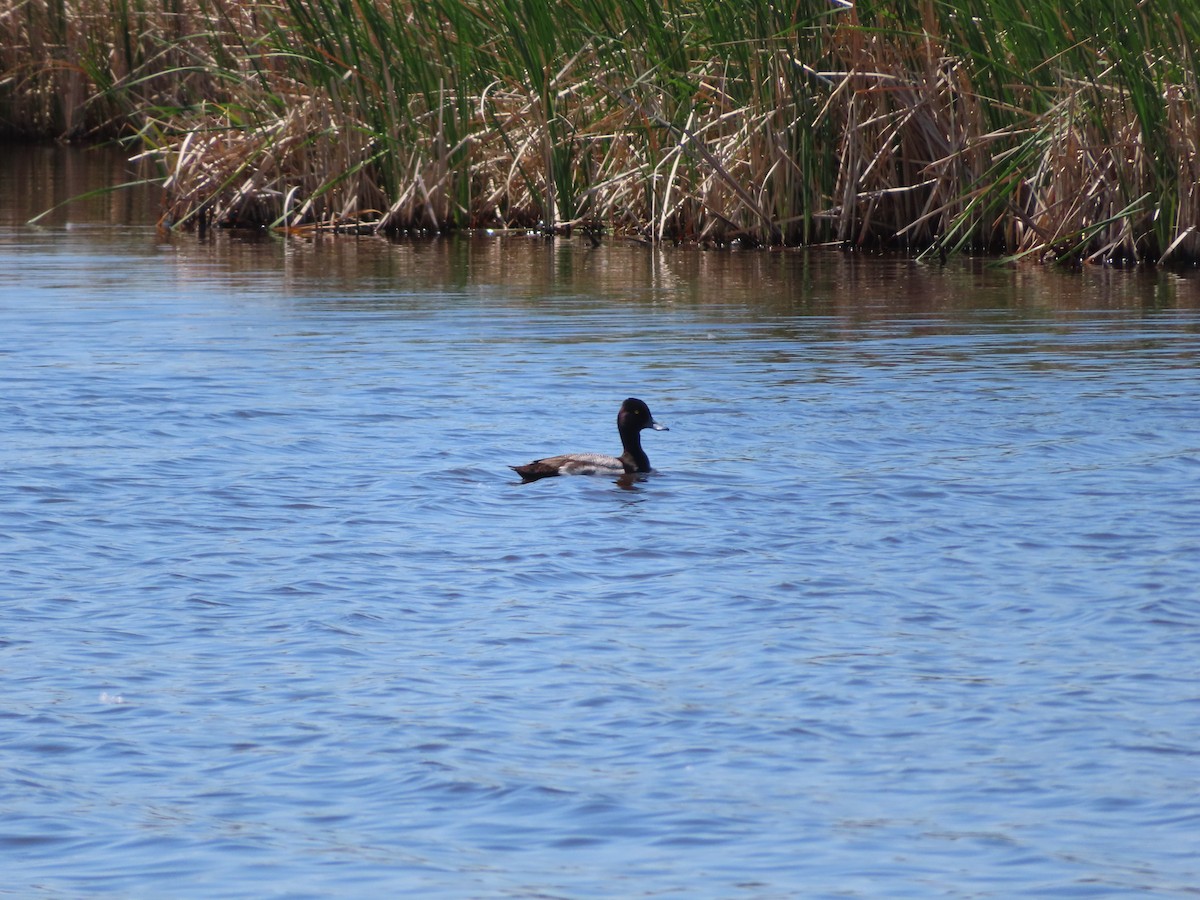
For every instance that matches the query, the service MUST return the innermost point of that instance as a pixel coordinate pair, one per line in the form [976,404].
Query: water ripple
[910,608]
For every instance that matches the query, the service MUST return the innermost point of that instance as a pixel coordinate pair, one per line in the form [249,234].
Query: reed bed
[1052,130]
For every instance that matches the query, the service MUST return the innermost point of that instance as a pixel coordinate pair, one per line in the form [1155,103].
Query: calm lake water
[911,607]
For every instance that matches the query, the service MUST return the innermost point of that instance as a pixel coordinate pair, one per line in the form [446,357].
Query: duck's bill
[659,427]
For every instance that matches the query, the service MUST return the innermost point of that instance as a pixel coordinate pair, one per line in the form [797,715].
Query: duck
[633,417]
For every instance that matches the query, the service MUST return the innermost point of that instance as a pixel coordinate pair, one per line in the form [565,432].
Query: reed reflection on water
[909,608]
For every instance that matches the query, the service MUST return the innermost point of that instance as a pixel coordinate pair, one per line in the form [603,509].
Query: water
[910,609]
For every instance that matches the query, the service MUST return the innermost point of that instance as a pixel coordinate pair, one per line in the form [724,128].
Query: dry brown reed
[1040,131]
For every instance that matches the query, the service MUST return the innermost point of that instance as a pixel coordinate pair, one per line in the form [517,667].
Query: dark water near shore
[910,609]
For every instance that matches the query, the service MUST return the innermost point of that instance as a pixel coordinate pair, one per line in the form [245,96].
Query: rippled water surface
[911,607]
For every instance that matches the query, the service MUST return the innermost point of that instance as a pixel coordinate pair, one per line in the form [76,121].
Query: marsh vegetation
[1046,129]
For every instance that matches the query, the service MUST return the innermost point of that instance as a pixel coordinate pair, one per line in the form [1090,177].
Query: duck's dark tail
[534,470]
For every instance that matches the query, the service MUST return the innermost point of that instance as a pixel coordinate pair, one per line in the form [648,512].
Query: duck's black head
[634,416]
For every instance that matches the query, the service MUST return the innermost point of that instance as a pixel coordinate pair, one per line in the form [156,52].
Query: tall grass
[1085,144]
[87,69]
[1064,129]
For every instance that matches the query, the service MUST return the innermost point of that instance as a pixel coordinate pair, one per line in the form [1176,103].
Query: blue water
[911,607]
